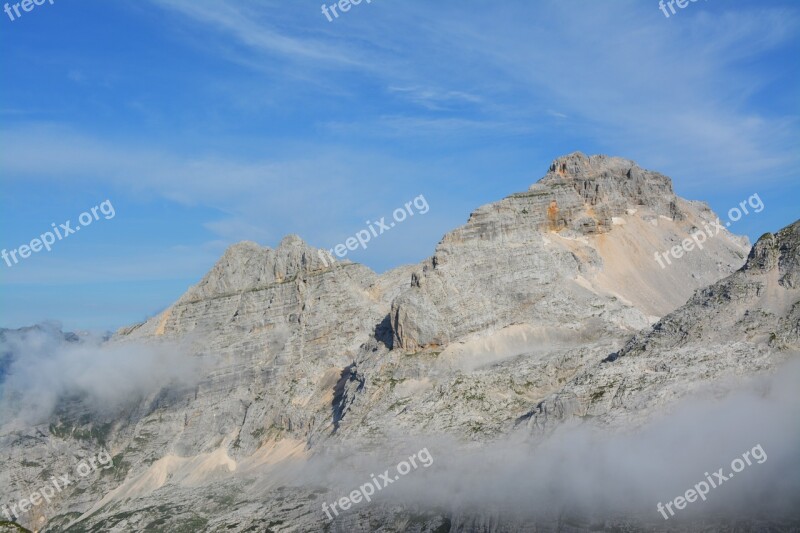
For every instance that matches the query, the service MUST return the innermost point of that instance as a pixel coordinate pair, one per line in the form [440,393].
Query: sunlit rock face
[545,308]
[578,246]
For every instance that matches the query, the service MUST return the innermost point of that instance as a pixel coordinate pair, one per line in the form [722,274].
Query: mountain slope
[586,231]
[746,323]
[516,309]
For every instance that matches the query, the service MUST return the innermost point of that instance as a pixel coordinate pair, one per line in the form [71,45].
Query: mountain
[587,230]
[546,308]
[744,324]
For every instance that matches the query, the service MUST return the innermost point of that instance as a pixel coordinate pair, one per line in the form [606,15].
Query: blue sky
[210,122]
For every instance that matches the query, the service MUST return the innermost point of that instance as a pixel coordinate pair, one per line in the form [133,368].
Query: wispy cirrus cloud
[248,23]
[319,194]
[436,100]
[677,95]
[275,121]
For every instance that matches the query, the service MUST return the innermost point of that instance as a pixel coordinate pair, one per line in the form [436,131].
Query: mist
[584,472]
[41,367]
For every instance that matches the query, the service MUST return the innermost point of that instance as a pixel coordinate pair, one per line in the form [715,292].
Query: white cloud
[249,24]
[320,194]
[41,370]
[586,473]
[674,93]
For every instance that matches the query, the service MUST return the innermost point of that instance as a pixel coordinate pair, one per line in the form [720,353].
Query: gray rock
[536,312]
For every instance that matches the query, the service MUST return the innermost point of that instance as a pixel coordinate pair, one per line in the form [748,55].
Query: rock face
[585,193]
[581,239]
[745,323]
[285,328]
[516,324]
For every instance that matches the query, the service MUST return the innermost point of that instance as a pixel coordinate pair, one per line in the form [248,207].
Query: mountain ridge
[502,331]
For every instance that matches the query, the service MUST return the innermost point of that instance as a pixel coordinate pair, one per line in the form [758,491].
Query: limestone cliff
[545,307]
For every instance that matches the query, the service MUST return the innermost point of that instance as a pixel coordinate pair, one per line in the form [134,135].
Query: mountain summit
[546,306]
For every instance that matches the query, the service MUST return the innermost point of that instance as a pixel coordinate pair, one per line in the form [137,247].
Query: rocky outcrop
[555,254]
[585,193]
[505,327]
[281,326]
[744,324]
[759,300]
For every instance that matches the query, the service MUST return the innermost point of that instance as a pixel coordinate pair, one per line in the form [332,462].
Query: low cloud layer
[586,473]
[581,474]
[40,367]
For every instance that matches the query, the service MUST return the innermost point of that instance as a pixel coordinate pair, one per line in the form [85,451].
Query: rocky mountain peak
[781,250]
[247,265]
[579,165]
[291,241]
[589,224]
[535,312]
[611,184]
